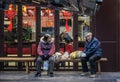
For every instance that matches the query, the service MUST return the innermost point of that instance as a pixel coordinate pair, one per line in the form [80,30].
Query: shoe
[84,73]
[37,74]
[92,76]
[51,75]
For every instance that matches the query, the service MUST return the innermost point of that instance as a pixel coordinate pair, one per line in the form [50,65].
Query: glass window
[10,27]
[47,21]
[10,34]
[29,22]
[63,22]
[66,31]
[10,23]
[83,27]
[66,22]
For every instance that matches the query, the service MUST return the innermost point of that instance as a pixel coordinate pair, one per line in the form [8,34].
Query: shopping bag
[45,65]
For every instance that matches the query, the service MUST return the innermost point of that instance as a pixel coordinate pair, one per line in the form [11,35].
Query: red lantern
[10,13]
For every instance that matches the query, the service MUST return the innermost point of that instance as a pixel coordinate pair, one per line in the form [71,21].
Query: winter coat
[93,47]
[45,48]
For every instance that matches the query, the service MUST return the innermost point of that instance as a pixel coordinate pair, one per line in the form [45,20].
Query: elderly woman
[92,53]
[46,49]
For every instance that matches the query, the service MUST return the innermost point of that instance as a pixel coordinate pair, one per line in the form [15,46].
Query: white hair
[88,33]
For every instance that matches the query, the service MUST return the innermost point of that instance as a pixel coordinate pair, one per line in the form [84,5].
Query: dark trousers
[39,63]
[92,61]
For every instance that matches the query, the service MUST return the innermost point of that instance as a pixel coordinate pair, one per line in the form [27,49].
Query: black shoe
[37,74]
[51,75]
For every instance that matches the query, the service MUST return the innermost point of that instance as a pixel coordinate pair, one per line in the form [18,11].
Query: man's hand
[83,55]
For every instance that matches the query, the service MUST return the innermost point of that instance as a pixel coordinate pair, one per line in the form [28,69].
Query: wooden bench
[99,65]
[20,59]
[32,59]
[68,67]
[75,64]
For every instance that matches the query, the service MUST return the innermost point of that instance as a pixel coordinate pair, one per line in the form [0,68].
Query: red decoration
[67,27]
[67,15]
[10,14]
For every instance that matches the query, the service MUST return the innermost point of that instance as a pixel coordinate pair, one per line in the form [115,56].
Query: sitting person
[92,53]
[46,49]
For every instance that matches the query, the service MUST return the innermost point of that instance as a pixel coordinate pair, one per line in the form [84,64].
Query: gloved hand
[83,55]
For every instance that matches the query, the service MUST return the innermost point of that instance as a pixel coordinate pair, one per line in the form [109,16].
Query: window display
[29,21]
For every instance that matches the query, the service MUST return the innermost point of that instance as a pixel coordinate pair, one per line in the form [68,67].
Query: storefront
[47,18]
[27,23]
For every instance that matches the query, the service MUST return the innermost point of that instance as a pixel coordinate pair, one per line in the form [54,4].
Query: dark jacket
[93,47]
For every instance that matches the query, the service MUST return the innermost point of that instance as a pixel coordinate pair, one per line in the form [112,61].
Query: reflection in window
[10,23]
[63,22]
[66,18]
[83,27]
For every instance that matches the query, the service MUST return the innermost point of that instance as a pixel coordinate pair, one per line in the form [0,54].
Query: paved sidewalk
[15,76]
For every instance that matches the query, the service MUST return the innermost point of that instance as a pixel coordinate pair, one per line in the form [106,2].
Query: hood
[41,40]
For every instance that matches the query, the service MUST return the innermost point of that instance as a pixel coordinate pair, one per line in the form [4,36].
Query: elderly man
[92,53]
[46,49]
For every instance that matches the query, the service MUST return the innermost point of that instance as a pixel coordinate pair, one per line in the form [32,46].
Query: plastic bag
[76,54]
[45,65]
[66,55]
[57,56]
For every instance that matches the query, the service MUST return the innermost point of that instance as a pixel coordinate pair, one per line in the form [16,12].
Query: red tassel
[10,26]
[67,27]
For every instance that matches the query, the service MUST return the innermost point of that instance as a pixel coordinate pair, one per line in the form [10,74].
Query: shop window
[10,16]
[48,30]
[29,22]
[66,31]
[47,21]
[10,23]
[63,22]
[66,22]
[83,27]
